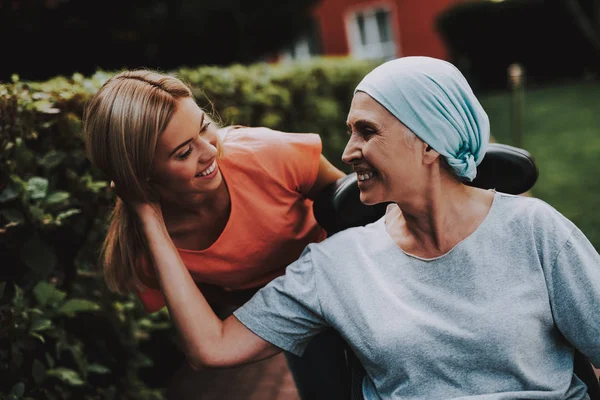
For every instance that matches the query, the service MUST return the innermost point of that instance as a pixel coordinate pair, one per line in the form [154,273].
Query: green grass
[561,129]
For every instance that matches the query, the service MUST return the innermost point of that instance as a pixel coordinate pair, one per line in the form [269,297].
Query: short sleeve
[573,281]
[295,156]
[286,312]
[150,296]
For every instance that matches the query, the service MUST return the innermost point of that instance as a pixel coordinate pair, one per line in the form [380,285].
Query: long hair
[122,124]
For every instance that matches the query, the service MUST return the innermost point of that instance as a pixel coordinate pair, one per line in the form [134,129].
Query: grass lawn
[561,129]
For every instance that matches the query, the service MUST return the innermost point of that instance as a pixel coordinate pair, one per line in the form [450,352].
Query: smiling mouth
[364,176]
[208,170]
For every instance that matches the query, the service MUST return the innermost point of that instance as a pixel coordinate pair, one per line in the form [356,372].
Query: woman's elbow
[201,361]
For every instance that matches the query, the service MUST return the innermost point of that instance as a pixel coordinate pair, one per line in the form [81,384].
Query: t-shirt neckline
[475,233]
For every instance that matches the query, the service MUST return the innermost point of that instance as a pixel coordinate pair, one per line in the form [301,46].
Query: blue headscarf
[433,99]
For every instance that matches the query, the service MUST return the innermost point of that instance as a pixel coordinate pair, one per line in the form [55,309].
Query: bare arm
[208,341]
[327,174]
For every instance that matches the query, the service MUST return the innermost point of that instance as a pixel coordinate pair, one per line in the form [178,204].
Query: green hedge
[63,334]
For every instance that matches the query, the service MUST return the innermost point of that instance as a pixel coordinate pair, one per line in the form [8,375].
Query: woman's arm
[208,341]
[326,175]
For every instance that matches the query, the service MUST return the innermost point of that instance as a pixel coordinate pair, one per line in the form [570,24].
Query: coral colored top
[267,173]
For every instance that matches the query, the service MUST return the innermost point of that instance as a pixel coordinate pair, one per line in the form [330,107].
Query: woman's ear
[429,154]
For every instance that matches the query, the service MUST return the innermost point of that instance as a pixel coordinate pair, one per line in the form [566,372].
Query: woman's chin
[368,198]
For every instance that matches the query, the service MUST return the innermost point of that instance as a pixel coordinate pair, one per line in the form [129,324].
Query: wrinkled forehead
[365,108]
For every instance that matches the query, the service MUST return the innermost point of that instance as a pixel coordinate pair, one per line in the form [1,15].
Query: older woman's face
[383,152]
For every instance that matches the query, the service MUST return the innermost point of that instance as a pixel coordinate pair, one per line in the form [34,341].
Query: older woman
[457,292]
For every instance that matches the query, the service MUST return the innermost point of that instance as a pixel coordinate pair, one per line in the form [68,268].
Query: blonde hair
[122,124]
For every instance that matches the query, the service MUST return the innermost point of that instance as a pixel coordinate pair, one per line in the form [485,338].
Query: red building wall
[413,25]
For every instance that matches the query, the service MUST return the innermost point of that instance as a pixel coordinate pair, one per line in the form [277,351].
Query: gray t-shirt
[496,317]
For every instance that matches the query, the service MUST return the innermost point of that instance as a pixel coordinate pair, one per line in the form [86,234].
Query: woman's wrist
[149,213]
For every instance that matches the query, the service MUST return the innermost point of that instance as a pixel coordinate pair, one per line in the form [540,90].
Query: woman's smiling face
[185,161]
[383,152]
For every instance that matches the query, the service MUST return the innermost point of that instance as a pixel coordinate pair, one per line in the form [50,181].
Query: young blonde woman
[234,202]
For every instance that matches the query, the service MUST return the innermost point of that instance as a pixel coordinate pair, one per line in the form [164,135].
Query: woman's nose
[206,150]
[352,151]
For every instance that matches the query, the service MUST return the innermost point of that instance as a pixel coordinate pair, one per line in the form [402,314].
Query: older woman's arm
[573,280]
[208,341]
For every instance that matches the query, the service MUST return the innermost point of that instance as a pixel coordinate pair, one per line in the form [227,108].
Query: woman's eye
[186,154]
[367,132]
[204,127]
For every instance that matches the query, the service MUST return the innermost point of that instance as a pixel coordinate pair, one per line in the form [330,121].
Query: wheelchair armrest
[505,168]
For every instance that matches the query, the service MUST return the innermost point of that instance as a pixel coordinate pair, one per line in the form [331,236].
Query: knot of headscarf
[434,100]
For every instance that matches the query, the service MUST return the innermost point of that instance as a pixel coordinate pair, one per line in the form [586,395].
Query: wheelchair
[504,168]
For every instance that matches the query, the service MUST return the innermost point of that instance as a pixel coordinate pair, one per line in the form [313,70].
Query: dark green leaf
[9,193]
[66,375]
[74,306]
[95,186]
[49,360]
[18,297]
[36,213]
[66,214]
[98,369]
[47,294]
[38,371]
[46,107]
[37,336]
[18,390]
[53,159]
[22,155]
[57,197]
[37,187]
[40,324]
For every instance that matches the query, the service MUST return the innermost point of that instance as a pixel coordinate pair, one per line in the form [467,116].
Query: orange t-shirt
[271,220]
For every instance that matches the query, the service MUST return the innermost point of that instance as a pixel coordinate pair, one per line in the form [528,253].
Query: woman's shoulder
[248,134]
[353,243]
[239,140]
[526,204]
[535,213]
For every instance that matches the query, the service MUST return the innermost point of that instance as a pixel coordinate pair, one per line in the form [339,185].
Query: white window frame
[374,48]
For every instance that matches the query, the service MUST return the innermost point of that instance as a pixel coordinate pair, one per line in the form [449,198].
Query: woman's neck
[210,204]
[432,223]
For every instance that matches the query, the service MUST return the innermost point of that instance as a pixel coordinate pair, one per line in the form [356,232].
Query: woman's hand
[144,210]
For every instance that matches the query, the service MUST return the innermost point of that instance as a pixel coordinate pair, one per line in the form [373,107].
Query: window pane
[383,25]
[360,21]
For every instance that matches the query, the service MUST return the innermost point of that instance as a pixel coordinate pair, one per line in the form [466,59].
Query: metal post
[516,81]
